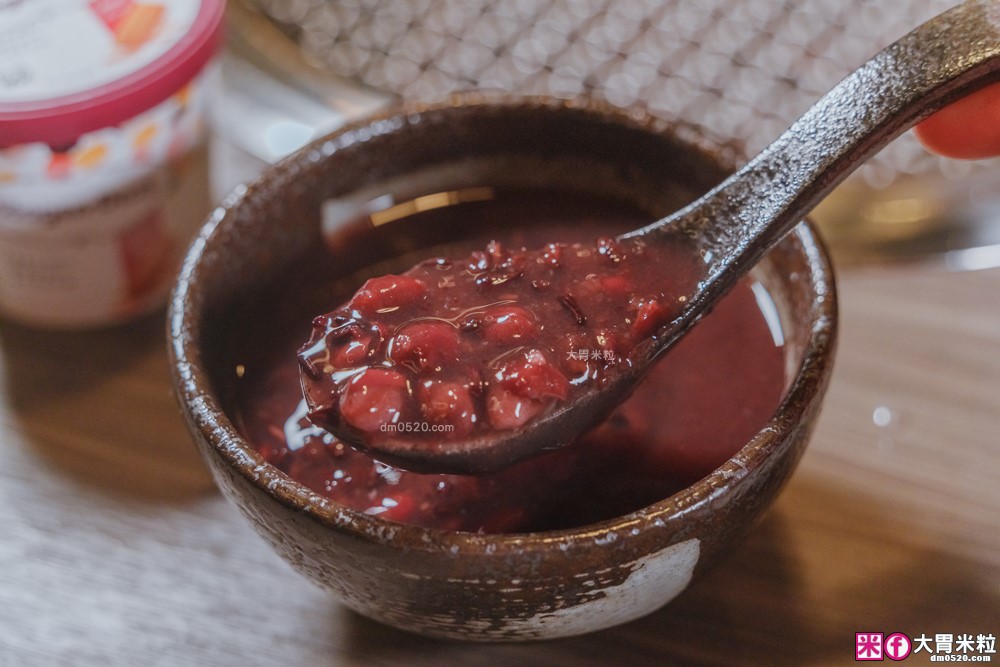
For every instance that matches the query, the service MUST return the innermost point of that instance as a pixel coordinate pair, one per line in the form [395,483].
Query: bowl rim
[204,413]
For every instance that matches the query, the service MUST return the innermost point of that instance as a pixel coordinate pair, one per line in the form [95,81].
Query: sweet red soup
[699,405]
[491,341]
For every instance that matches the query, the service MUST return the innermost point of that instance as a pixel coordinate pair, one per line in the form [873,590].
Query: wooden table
[116,548]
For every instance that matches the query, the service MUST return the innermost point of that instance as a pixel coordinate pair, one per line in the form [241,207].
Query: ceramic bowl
[465,585]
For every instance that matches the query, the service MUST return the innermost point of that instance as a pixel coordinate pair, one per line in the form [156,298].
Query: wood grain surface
[115,548]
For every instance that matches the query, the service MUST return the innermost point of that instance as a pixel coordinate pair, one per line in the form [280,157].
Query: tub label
[55,48]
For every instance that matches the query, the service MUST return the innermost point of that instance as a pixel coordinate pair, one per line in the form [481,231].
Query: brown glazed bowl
[465,585]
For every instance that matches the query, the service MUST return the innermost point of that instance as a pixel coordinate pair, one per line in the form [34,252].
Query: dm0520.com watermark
[417,427]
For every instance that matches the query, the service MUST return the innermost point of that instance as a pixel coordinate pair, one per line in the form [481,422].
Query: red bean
[425,345]
[372,398]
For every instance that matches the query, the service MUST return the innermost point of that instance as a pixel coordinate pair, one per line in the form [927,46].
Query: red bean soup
[702,402]
[453,348]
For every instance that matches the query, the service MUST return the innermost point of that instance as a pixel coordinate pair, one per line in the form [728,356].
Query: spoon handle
[942,60]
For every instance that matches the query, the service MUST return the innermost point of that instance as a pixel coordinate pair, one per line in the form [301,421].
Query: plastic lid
[75,66]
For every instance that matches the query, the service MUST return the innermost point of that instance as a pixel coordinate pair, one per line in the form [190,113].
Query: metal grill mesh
[734,69]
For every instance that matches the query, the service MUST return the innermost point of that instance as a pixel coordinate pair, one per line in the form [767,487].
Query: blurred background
[737,71]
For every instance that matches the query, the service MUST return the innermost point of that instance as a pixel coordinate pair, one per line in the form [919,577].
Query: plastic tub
[103,174]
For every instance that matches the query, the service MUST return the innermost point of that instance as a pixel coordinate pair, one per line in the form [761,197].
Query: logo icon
[868,646]
[897,646]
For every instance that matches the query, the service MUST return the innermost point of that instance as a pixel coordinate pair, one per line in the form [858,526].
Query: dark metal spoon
[736,223]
